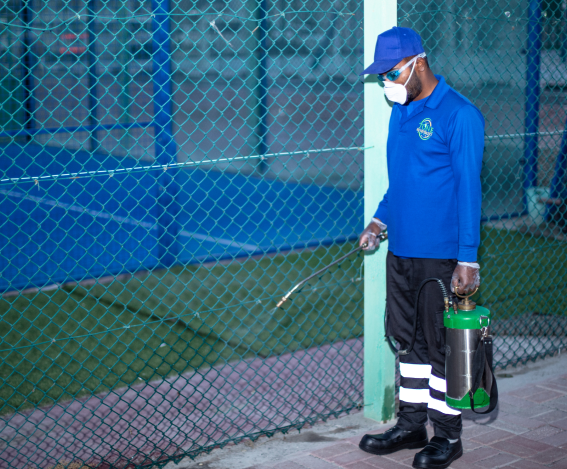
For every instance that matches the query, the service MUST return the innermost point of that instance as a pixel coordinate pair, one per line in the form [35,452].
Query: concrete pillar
[379,361]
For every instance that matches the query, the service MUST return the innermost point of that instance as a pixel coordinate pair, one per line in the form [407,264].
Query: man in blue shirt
[432,212]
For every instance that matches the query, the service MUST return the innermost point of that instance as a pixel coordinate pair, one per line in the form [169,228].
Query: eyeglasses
[394,74]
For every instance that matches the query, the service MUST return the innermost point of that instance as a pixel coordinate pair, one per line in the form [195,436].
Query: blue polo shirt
[433,202]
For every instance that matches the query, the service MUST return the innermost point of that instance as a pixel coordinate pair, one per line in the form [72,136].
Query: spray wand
[381,237]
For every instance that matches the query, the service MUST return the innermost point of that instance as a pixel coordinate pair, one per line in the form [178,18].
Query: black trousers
[422,386]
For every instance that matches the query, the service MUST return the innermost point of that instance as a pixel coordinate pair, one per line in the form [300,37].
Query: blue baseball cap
[392,46]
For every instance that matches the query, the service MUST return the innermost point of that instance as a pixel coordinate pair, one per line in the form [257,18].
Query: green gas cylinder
[466,324]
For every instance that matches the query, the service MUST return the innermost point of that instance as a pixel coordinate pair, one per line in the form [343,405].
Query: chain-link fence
[170,169]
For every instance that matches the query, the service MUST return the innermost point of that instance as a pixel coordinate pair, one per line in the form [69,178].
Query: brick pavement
[527,431]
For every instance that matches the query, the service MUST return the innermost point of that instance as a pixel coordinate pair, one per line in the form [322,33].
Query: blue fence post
[258,65]
[532,97]
[91,76]
[263,88]
[28,64]
[166,149]
[125,58]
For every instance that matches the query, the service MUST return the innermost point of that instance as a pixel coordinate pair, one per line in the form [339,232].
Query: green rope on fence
[157,167]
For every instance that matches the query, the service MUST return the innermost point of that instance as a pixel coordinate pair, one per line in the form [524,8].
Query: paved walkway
[527,431]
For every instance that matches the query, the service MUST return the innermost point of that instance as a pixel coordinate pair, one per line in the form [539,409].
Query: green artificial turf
[522,274]
[89,339]
[166,322]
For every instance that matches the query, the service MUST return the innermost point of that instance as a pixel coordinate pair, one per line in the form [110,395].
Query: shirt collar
[438,93]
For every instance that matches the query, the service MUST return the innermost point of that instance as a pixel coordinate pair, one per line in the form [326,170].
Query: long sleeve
[466,146]
[382,212]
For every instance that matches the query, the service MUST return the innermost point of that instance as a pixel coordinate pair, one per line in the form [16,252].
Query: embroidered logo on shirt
[425,129]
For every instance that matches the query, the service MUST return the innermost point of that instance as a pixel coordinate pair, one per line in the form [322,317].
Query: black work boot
[393,440]
[438,454]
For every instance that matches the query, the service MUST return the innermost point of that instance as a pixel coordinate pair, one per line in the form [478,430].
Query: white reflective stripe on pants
[416,396]
[409,370]
[439,384]
[440,406]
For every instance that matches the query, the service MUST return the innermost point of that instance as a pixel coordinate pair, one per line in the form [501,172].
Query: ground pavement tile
[532,410]
[560,381]
[544,395]
[550,386]
[506,426]
[492,437]
[522,392]
[355,440]
[561,424]
[385,465]
[469,445]
[559,439]
[522,421]
[507,407]
[402,455]
[507,397]
[561,464]
[311,462]
[549,456]
[520,446]
[520,405]
[542,432]
[382,463]
[347,458]
[553,416]
[501,459]
[334,450]
[555,385]
[559,403]
[289,465]
[468,459]
[377,460]
[459,464]
[360,465]
[477,430]
[524,464]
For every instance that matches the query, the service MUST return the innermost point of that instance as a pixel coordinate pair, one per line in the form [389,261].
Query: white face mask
[396,92]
